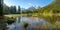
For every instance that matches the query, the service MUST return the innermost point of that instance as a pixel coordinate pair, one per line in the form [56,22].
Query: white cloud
[30,4]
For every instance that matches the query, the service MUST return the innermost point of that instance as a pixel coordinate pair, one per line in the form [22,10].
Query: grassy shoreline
[36,14]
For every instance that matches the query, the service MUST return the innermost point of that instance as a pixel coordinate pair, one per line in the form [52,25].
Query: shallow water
[34,23]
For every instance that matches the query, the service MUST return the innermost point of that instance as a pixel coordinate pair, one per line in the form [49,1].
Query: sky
[27,3]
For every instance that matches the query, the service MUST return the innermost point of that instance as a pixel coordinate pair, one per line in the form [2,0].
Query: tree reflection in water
[32,23]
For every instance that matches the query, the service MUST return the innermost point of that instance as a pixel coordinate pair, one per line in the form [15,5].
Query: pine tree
[19,10]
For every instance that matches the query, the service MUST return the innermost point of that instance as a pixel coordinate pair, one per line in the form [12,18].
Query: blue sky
[27,3]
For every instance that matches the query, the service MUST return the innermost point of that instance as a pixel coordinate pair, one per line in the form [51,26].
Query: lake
[34,23]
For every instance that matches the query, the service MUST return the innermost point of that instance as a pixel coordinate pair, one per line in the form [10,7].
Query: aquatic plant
[25,25]
[10,20]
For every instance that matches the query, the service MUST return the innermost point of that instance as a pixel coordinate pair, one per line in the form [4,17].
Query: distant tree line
[11,9]
[15,10]
[27,11]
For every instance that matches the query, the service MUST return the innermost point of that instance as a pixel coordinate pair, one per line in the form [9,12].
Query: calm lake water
[34,23]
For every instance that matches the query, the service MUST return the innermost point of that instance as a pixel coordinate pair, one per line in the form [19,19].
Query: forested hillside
[53,6]
[50,12]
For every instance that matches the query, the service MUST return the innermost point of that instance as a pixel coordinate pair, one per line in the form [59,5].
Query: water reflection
[34,23]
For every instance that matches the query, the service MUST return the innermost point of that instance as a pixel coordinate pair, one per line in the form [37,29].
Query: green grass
[15,15]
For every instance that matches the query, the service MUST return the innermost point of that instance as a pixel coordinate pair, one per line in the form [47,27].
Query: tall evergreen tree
[19,10]
[2,21]
[13,9]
